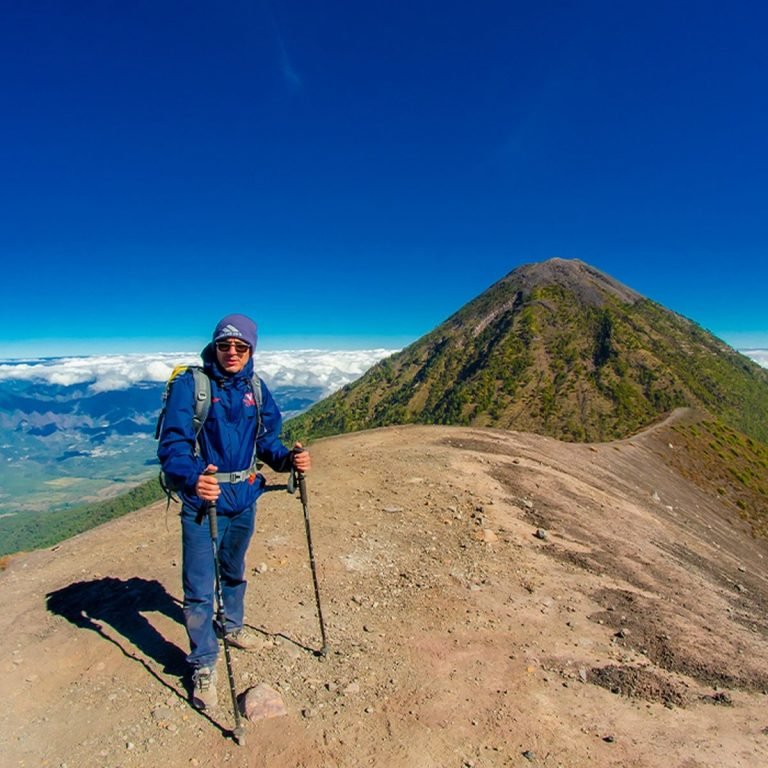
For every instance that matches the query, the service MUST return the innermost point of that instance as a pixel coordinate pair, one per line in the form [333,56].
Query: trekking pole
[297,475]
[239,732]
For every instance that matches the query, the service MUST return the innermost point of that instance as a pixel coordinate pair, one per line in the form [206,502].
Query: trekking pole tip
[239,736]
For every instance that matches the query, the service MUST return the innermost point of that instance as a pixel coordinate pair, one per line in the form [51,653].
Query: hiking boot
[204,688]
[245,640]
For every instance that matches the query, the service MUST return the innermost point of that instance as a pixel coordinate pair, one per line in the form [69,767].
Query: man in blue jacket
[217,466]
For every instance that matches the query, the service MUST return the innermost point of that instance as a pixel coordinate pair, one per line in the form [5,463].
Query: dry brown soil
[491,598]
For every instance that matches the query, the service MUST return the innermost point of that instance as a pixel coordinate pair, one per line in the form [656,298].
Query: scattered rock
[262,702]
[161,714]
[720,698]
[540,534]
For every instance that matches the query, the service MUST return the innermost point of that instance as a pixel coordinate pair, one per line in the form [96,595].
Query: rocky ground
[490,598]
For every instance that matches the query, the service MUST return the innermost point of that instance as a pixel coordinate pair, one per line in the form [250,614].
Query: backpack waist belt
[240,476]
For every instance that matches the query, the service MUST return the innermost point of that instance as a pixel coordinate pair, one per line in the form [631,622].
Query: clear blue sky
[363,169]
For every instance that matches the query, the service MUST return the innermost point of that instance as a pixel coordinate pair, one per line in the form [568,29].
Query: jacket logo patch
[248,400]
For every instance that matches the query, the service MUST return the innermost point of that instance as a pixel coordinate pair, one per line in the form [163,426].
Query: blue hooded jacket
[226,439]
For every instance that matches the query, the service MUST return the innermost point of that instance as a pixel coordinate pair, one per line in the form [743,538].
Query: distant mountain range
[556,348]
[65,443]
[81,429]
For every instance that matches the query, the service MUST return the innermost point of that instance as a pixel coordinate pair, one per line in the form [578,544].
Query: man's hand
[207,486]
[301,459]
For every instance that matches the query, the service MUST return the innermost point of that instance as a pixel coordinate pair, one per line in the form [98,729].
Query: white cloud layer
[760,356]
[327,369]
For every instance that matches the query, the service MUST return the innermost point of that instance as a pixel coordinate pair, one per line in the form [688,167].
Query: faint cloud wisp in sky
[290,75]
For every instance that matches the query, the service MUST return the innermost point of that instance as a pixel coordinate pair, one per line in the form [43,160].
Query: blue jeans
[198,577]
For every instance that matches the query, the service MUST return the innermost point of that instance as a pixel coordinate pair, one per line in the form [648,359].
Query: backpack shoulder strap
[202,397]
[257,393]
[258,397]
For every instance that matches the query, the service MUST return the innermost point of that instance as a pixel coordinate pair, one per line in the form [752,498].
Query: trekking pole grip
[212,518]
[302,487]
[296,478]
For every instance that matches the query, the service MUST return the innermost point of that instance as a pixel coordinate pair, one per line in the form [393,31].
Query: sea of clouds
[324,369]
[328,370]
[760,356]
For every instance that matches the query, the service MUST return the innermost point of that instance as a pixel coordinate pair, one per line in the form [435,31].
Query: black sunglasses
[240,348]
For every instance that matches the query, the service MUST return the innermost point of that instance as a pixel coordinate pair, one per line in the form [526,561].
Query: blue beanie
[236,327]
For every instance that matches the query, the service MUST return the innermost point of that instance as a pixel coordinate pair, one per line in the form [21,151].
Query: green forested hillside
[34,530]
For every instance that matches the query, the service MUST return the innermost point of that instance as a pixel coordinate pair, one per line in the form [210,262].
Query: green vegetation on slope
[727,463]
[35,530]
[549,364]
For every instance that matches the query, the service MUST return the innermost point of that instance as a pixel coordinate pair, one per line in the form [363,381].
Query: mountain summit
[589,285]
[557,348]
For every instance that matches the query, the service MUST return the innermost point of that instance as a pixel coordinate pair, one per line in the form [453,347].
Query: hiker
[219,465]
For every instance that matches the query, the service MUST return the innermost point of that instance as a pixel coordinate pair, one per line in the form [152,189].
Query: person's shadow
[120,604]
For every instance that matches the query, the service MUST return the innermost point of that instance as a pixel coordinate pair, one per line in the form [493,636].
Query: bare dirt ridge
[491,598]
